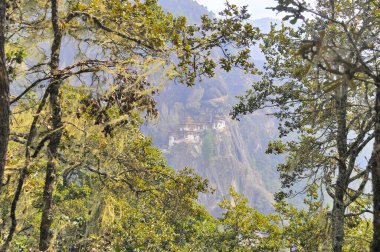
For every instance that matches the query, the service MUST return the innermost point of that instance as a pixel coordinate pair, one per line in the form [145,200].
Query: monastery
[191,131]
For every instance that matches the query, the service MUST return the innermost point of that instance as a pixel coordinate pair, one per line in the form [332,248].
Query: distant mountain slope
[188,8]
[232,155]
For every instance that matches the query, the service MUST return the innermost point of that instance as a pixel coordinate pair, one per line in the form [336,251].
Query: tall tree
[360,56]
[110,192]
[56,128]
[4,94]
[117,45]
[324,96]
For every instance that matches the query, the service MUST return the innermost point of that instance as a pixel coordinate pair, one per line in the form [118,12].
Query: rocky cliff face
[232,156]
[225,159]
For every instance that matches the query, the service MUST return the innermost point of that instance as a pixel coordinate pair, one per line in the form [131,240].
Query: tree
[243,228]
[4,94]
[324,97]
[111,192]
[56,129]
[304,229]
[359,55]
[118,46]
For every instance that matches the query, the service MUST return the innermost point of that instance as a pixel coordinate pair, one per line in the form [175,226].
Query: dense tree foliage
[321,78]
[111,191]
[77,174]
[88,70]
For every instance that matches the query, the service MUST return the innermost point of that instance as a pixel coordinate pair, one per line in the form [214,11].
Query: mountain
[194,130]
[187,8]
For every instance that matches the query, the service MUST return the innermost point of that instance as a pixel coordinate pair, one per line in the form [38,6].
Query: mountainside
[188,8]
[195,130]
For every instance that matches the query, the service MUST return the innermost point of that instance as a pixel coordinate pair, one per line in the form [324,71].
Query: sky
[256,7]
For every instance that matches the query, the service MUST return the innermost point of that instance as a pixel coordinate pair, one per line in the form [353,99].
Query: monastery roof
[188,120]
[195,123]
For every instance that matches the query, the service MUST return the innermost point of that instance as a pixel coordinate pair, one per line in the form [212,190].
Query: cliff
[232,156]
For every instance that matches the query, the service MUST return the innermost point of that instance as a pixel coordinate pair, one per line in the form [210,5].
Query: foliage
[305,229]
[83,176]
[78,119]
[112,192]
[242,228]
[208,145]
[315,81]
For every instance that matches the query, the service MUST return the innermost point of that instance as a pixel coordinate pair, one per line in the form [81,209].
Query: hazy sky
[256,7]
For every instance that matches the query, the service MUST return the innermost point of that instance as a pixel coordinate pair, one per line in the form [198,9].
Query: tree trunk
[337,219]
[376,175]
[55,137]
[4,96]
[23,175]
[341,185]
